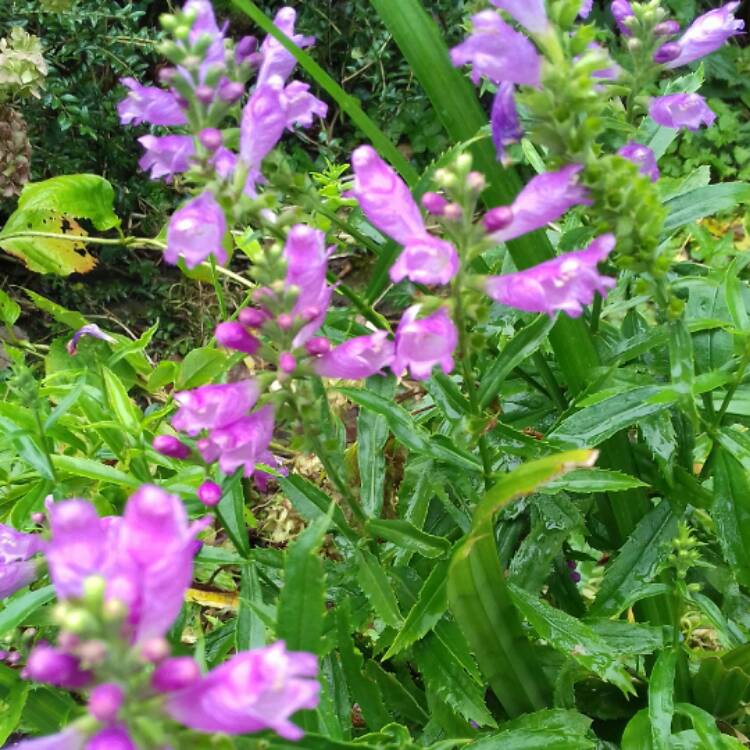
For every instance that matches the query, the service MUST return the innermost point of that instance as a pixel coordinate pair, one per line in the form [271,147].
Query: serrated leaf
[372,433]
[13,694]
[9,309]
[408,537]
[119,402]
[594,480]
[231,512]
[661,699]
[16,609]
[77,466]
[312,503]
[705,201]
[199,367]
[374,582]
[573,638]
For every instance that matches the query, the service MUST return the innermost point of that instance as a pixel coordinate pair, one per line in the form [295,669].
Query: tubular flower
[544,199]
[111,738]
[707,33]
[275,60]
[644,157]
[70,739]
[166,155]
[214,406]
[17,569]
[529,13]
[301,106]
[681,111]
[622,10]
[426,260]
[196,231]
[506,127]
[149,104]
[586,7]
[357,358]
[423,343]
[254,690]
[565,283]
[55,667]
[498,52]
[205,25]
[90,329]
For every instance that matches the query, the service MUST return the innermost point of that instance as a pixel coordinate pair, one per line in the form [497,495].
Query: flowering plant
[448,579]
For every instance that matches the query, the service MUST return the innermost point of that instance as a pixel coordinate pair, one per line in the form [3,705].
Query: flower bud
[168,21]
[93,591]
[48,664]
[38,518]
[317,346]
[169,445]
[245,48]
[476,182]
[92,653]
[464,162]
[166,76]
[287,362]
[453,212]
[204,94]
[667,28]
[634,44]
[667,52]
[284,321]
[498,218]
[181,32]
[154,650]
[114,610]
[434,203]
[3,655]
[211,138]
[111,738]
[252,317]
[233,335]
[209,493]
[13,658]
[175,673]
[231,92]
[105,701]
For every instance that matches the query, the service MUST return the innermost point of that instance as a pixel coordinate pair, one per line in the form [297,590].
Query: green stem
[550,381]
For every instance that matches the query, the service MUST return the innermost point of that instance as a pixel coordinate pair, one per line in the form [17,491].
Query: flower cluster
[120,584]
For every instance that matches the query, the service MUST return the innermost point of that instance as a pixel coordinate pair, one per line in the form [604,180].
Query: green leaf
[594,480]
[87,467]
[302,605]
[517,350]
[408,433]
[164,374]
[122,407]
[374,582]
[13,694]
[250,631]
[70,318]
[637,561]
[661,699]
[731,513]
[593,424]
[19,607]
[10,310]
[637,734]
[312,503]
[430,606]
[407,536]
[231,512]
[201,366]
[372,433]
[573,638]
[705,201]
[705,726]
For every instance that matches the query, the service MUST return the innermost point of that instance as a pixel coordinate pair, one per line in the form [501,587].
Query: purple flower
[275,60]
[16,566]
[544,199]
[384,197]
[422,343]
[357,358]
[234,335]
[643,156]
[426,260]
[667,52]
[70,739]
[105,701]
[111,738]
[55,667]
[209,493]
[301,106]
[169,445]
[254,690]
[262,478]
[196,231]
[529,13]
[707,33]
[681,111]
[205,24]
[622,10]
[262,125]
[166,155]
[149,104]
[498,52]
[241,443]
[564,283]
[213,406]
[506,127]
[175,673]
[608,70]
[224,162]
[586,7]
[90,329]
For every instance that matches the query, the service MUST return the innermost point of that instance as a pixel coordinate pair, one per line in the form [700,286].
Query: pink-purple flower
[254,690]
[275,60]
[529,13]
[707,33]
[70,739]
[214,406]
[90,329]
[426,260]
[622,11]
[149,104]
[196,231]
[301,107]
[681,111]
[424,343]
[166,155]
[544,199]
[643,156]
[17,567]
[506,127]
[357,358]
[565,283]
[498,52]
[56,667]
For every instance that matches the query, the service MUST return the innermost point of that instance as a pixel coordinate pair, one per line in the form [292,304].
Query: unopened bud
[667,28]
[175,674]
[476,182]
[464,162]
[211,138]
[168,21]
[93,590]
[204,94]
[667,52]
[252,317]
[92,653]
[181,32]
[233,335]
[434,203]
[287,362]
[231,92]
[453,212]
[209,493]
[38,518]
[169,445]
[284,321]
[114,610]
[154,650]
[166,76]
[317,346]
[498,218]
[634,44]
[105,701]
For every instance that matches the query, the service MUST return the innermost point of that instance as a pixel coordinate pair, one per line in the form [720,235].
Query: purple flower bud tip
[154,650]
[453,212]
[90,329]
[211,138]
[643,156]
[318,346]
[681,111]
[434,203]
[667,28]
[166,76]
[284,321]
[571,564]
[38,518]
[252,317]
[3,655]
[231,92]
[209,493]
[287,362]
[667,52]
[105,701]
[49,664]
[204,94]
[575,576]
[498,218]
[476,181]
[233,335]
[175,673]
[168,445]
